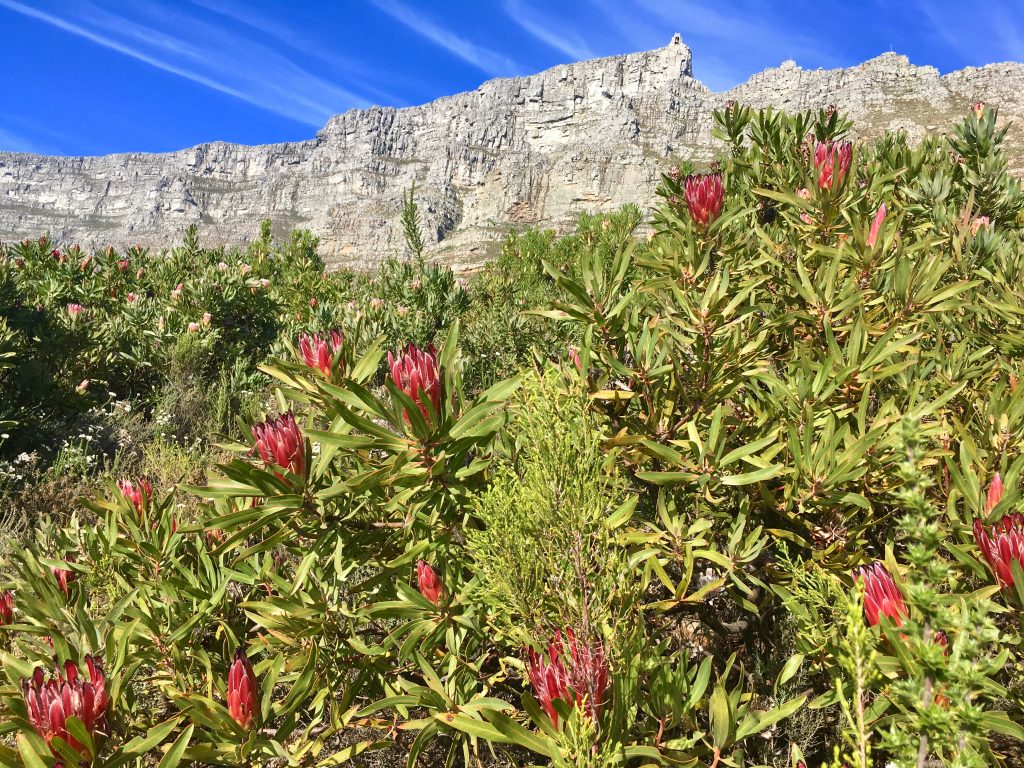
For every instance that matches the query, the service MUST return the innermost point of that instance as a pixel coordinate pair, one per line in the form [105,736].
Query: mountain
[517,151]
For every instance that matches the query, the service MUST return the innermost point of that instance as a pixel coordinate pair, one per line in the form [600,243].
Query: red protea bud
[63,577]
[56,253]
[832,161]
[6,607]
[1001,546]
[280,443]
[138,493]
[580,678]
[123,264]
[876,226]
[574,358]
[978,109]
[881,597]
[995,493]
[429,582]
[416,373]
[243,691]
[319,350]
[51,702]
[704,195]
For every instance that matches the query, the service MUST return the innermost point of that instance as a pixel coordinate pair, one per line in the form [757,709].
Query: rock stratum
[589,136]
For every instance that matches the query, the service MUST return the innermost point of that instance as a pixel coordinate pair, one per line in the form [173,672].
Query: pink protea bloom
[376,303]
[579,678]
[138,493]
[56,253]
[876,226]
[832,162]
[176,292]
[280,444]
[83,386]
[64,577]
[704,194]
[1001,545]
[86,261]
[319,350]
[123,264]
[978,109]
[243,691]
[139,273]
[74,310]
[6,608]
[194,327]
[130,298]
[417,374]
[980,222]
[51,702]
[207,318]
[428,582]
[881,597]
[222,267]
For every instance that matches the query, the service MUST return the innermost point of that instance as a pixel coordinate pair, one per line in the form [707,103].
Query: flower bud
[6,608]
[876,226]
[243,691]
[429,582]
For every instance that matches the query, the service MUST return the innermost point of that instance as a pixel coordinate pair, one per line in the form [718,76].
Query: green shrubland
[732,484]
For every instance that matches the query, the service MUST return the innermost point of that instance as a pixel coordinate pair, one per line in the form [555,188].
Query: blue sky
[97,76]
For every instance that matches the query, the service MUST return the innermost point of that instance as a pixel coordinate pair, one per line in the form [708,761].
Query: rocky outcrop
[528,150]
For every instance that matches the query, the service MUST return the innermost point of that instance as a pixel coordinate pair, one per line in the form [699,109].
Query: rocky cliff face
[529,150]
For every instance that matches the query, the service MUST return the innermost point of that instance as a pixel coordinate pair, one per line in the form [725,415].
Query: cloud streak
[484,59]
[12,142]
[572,45]
[241,68]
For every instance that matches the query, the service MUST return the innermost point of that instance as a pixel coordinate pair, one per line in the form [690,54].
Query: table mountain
[516,151]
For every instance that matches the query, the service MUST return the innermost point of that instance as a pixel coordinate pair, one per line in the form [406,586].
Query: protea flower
[6,607]
[122,265]
[832,161]
[979,223]
[86,261]
[194,327]
[207,318]
[881,597]
[1001,545]
[704,194]
[64,577]
[318,350]
[138,493]
[579,678]
[74,310]
[978,109]
[429,582]
[243,691]
[51,702]
[416,373]
[280,443]
[176,291]
[876,226]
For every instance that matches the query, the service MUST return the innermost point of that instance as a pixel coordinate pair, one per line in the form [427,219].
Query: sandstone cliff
[529,150]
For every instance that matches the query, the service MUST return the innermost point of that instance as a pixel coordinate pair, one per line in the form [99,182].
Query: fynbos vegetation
[739,488]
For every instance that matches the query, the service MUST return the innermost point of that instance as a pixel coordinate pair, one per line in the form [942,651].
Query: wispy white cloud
[484,59]
[211,56]
[543,29]
[370,75]
[12,142]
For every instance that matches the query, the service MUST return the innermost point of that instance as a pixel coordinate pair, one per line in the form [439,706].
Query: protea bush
[738,487]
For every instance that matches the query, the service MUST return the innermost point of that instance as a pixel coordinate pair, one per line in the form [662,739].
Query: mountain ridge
[534,149]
